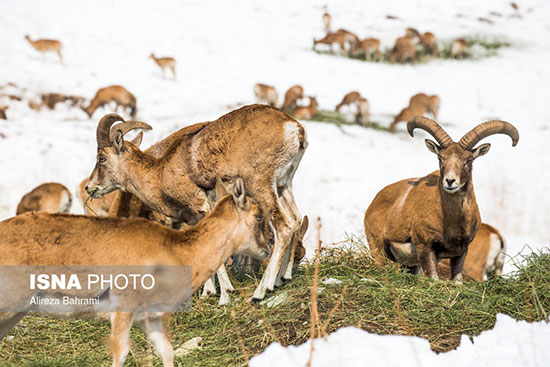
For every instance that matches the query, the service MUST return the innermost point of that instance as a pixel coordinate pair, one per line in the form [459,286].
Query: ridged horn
[432,127]
[128,126]
[103,129]
[481,131]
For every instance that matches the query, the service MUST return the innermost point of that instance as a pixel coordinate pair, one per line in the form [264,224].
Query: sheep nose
[450,181]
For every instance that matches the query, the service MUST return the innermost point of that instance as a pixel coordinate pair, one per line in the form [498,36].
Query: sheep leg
[8,321]
[428,261]
[209,287]
[155,333]
[283,231]
[291,211]
[121,322]
[289,198]
[225,286]
[457,264]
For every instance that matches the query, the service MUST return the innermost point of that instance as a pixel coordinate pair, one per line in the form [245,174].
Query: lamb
[419,221]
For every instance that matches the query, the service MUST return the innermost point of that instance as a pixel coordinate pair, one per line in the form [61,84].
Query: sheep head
[456,159]
[112,152]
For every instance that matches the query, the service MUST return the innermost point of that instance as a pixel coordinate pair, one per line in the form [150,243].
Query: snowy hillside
[223,48]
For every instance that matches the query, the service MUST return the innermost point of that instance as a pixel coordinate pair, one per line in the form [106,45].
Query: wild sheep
[363,112]
[165,62]
[429,44]
[292,95]
[50,100]
[412,33]
[341,37]
[306,112]
[49,197]
[350,98]
[403,51]
[266,94]
[326,21]
[407,114]
[370,47]
[259,143]
[460,49]
[233,226]
[102,205]
[113,93]
[485,255]
[46,45]
[419,221]
[430,103]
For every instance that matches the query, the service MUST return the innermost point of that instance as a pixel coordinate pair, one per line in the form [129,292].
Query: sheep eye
[101,160]
[468,161]
[259,218]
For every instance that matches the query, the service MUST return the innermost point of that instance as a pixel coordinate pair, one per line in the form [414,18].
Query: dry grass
[379,298]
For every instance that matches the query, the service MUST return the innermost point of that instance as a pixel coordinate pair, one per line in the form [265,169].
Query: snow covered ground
[223,48]
[510,344]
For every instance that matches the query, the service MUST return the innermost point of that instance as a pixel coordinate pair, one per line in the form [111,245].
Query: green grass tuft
[379,298]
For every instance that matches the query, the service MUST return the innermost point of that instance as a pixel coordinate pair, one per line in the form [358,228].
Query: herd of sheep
[221,188]
[404,50]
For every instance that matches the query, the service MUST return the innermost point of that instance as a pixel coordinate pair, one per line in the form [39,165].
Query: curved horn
[481,131]
[432,127]
[127,126]
[103,128]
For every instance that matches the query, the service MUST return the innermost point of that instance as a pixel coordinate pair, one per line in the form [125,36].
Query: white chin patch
[451,190]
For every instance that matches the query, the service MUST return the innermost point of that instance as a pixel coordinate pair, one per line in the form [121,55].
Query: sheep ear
[118,141]
[220,189]
[432,146]
[481,150]
[138,139]
[239,194]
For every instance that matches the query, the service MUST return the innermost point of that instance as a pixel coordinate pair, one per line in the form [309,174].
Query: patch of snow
[510,343]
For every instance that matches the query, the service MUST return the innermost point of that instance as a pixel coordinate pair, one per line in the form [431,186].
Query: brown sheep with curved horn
[419,221]
[259,143]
